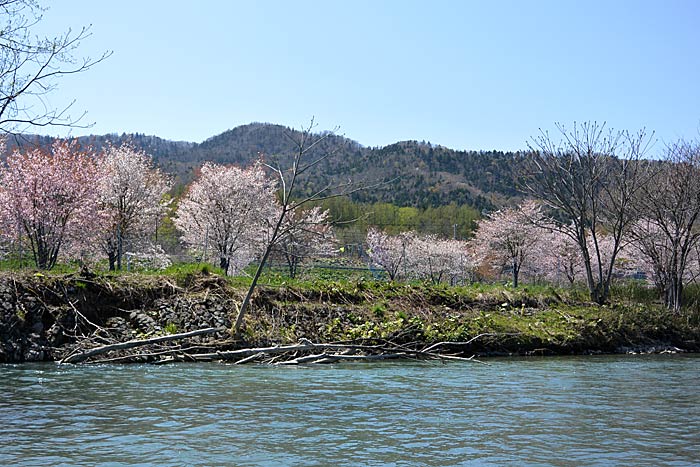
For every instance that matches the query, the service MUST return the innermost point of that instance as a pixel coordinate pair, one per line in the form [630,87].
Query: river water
[624,410]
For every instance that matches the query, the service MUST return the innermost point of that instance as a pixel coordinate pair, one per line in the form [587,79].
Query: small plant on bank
[378,309]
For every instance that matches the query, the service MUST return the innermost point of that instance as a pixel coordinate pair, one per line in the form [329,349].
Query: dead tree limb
[465,343]
[369,352]
[78,357]
[331,358]
[290,201]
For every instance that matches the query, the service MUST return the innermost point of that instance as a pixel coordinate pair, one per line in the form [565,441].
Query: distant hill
[419,174]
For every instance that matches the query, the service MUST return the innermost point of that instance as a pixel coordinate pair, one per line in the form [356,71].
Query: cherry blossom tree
[389,251]
[507,239]
[558,257]
[50,197]
[305,234]
[229,208]
[438,260]
[424,257]
[461,262]
[590,179]
[147,255]
[132,194]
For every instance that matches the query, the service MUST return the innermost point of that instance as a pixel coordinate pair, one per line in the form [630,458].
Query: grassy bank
[42,314]
[527,320]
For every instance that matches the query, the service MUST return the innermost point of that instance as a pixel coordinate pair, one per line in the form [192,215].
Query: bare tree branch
[589,179]
[30,67]
[304,143]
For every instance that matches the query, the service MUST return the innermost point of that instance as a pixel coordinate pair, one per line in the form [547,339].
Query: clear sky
[464,74]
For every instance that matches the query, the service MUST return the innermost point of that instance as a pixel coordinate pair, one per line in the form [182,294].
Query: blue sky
[467,75]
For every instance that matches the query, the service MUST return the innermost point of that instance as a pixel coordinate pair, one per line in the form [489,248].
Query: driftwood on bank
[330,353]
[303,352]
[77,357]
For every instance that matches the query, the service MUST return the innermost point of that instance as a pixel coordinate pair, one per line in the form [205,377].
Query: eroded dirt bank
[45,317]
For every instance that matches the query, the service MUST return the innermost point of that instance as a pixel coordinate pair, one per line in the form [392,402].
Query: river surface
[624,410]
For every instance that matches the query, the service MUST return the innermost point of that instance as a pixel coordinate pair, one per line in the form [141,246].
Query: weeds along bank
[42,316]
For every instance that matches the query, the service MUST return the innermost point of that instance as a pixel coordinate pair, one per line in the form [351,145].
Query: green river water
[614,410]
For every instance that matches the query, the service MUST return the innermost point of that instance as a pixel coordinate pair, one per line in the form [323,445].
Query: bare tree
[589,179]
[309,234]
[668,232]
[304,160]
[30,66]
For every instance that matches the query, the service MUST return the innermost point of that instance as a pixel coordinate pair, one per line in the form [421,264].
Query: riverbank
[46,316]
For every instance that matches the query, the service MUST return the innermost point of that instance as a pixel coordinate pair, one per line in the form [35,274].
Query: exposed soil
[45,317]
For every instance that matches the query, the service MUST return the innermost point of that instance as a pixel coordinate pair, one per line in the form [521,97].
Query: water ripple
[555,411]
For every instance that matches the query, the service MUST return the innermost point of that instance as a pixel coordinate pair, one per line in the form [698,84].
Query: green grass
[354,283]
[27,264]
[633,291]
[181,269]
[339,307]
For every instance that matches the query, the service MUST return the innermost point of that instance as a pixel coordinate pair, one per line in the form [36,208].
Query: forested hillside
[416,174]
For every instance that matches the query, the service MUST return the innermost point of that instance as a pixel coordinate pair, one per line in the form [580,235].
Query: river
[612,410]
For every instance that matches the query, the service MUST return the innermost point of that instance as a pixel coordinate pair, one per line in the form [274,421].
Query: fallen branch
[465,343]
[148,356]
[250,359]
[242,353]
[370,352]
[456,358]
[78,357]
[303,352]
[331,358]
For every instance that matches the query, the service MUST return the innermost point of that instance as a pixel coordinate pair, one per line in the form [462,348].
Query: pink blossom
[228,209]
[507,240]
[50,197]
[132,196]
[425,257]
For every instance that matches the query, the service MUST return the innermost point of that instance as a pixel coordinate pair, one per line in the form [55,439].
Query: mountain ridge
[419,174]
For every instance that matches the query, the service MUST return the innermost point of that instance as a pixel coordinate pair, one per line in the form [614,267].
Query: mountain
[414,173]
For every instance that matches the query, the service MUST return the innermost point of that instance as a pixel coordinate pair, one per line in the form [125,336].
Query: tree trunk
[224,263]
[605,294]
[42,255]
[592,286]
[112,258]
[674,294]
[119,250]
[251,289]
[291,263]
